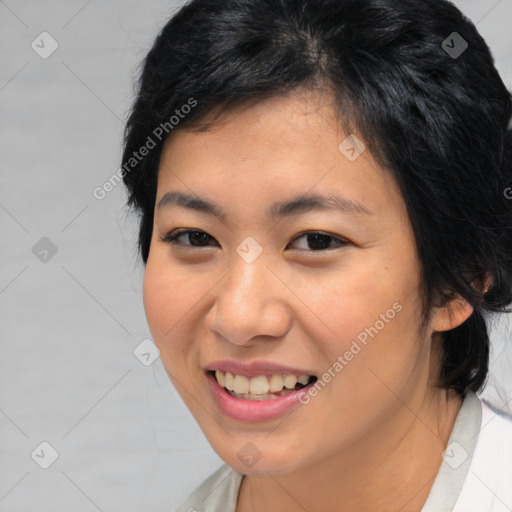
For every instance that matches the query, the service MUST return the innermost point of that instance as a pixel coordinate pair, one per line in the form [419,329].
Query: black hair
[413,78]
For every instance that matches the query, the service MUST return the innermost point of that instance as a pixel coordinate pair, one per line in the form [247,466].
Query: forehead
[277,148]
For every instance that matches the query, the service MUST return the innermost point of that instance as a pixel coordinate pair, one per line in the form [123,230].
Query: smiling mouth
[261,387]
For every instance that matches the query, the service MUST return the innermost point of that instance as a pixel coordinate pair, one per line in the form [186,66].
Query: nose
[250,303]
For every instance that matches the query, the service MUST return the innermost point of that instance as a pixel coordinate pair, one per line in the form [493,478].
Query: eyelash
[171,239]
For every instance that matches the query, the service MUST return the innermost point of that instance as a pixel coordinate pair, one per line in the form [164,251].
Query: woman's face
[256,286]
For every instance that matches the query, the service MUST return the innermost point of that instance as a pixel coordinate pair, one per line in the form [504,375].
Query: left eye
[320,241]
[317,240]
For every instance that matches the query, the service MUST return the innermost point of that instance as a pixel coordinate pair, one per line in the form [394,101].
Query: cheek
[167,298]
[166,303]
[369,315]
[158,298]
[349,302]
[175,300]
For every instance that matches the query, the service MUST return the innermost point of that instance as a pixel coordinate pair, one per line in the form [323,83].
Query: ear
[451,315]
[457,310]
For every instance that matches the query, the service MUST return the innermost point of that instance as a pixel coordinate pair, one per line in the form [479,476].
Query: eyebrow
[299,204]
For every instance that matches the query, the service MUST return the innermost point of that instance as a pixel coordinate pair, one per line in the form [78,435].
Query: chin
[248,460]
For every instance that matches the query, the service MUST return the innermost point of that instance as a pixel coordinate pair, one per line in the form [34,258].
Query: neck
[392,468]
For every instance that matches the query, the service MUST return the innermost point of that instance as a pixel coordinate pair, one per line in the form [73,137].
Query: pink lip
[253,410]
[254,368]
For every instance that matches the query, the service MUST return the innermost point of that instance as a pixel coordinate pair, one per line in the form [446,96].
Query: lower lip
[253,410]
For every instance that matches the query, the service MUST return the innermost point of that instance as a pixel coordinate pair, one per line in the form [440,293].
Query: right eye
[196,237]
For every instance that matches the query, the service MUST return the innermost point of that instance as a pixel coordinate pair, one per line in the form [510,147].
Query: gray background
[69,325]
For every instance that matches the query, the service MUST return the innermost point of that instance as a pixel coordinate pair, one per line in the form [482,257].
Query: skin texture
[372,438]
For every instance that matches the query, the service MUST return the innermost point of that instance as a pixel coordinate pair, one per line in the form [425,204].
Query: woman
[324,225]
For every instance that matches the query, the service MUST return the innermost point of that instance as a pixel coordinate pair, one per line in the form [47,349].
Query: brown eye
[196,238]
[318,241]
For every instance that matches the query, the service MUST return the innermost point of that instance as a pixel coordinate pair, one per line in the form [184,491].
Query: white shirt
[475,475]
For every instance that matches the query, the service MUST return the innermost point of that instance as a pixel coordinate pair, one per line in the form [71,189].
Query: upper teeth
[259,385]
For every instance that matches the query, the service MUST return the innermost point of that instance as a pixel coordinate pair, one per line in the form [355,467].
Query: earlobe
[487,282]
[457,310]
[450,316]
